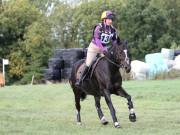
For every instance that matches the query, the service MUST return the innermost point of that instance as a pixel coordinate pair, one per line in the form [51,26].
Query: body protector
[106,35]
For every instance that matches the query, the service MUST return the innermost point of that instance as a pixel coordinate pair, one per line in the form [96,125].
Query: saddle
[91,68]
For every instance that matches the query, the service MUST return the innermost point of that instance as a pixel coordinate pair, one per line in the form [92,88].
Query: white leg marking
[131,111]
[116,123]
[103,118]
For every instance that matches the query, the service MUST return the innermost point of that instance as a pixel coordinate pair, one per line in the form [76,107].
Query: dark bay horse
[106,80]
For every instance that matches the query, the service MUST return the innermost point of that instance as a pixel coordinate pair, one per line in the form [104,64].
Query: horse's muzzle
[128,69]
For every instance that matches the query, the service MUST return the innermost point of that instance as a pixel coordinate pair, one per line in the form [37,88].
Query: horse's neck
[113,68]
[105,69]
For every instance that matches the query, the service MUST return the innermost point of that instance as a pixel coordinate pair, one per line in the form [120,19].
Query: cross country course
[49,110]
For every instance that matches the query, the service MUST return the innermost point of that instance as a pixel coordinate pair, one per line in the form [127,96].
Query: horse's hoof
[117,125]
[132,117]
[104,121]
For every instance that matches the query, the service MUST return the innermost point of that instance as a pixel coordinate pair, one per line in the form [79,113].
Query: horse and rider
[103,34]
[98,75]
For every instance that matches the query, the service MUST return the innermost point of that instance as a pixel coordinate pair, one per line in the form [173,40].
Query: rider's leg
[92,52]
[82,76]
[91,55]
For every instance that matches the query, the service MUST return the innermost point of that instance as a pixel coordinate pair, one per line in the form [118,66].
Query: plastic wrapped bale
[177,59]
[139,70]
[55,63]
[156,64]
[176,67]
[169,63]
[167,53]
[177,63]
[176,52]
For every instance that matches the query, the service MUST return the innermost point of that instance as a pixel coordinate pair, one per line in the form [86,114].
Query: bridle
[114,63]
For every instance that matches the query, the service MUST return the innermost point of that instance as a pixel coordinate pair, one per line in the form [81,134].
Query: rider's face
[108,21]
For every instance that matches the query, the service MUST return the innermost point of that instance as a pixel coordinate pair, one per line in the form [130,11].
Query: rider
[103,34]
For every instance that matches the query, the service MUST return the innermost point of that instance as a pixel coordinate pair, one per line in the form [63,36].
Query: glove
[105,53]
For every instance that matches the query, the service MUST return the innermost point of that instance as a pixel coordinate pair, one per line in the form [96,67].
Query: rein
[112,62]
[95,64]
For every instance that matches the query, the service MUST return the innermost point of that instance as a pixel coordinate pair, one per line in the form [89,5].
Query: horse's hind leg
[77,104]
[123,93]
[99,111]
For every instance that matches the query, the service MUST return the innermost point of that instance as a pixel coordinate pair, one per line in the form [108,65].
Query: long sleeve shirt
[103,36]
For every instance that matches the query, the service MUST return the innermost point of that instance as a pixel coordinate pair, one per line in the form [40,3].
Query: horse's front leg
[123,93]
[99,111]
[111,107]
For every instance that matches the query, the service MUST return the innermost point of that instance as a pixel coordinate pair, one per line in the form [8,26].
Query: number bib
[106,37]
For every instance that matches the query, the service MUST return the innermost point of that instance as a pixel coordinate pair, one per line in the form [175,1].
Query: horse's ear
[118,41]
[125,42]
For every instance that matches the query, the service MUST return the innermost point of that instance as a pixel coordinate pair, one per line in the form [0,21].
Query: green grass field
[49,110]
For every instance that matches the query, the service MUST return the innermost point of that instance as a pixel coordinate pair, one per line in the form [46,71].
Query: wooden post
[32,80]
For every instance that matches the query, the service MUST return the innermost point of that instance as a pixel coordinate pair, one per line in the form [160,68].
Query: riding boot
[82,76]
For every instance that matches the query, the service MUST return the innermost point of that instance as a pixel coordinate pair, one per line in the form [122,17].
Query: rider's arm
[97,39]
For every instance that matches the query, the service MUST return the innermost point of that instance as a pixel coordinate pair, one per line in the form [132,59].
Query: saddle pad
[91,68]
[79,71]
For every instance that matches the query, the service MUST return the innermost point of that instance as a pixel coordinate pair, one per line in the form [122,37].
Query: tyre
[65,73]
[52,74]
[55,63]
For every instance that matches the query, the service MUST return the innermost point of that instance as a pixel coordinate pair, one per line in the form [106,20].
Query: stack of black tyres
[60,65]
[53,73]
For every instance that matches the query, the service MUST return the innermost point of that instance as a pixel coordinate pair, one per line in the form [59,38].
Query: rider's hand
[105,52]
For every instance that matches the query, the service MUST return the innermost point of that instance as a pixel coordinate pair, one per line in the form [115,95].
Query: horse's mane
[116,52]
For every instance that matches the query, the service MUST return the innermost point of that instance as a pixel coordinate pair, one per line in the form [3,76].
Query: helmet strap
[104,21]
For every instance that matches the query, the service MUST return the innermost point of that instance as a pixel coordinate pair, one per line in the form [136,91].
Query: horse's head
[120,55]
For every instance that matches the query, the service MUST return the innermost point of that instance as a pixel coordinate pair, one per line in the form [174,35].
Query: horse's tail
[83,95]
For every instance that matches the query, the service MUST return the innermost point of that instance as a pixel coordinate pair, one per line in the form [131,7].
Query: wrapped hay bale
[177,63]
[167,53]
[139,70]
[169,63]
[176,52]
[156,64]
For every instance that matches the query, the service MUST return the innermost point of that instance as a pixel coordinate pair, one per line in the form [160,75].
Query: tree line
[30,30]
